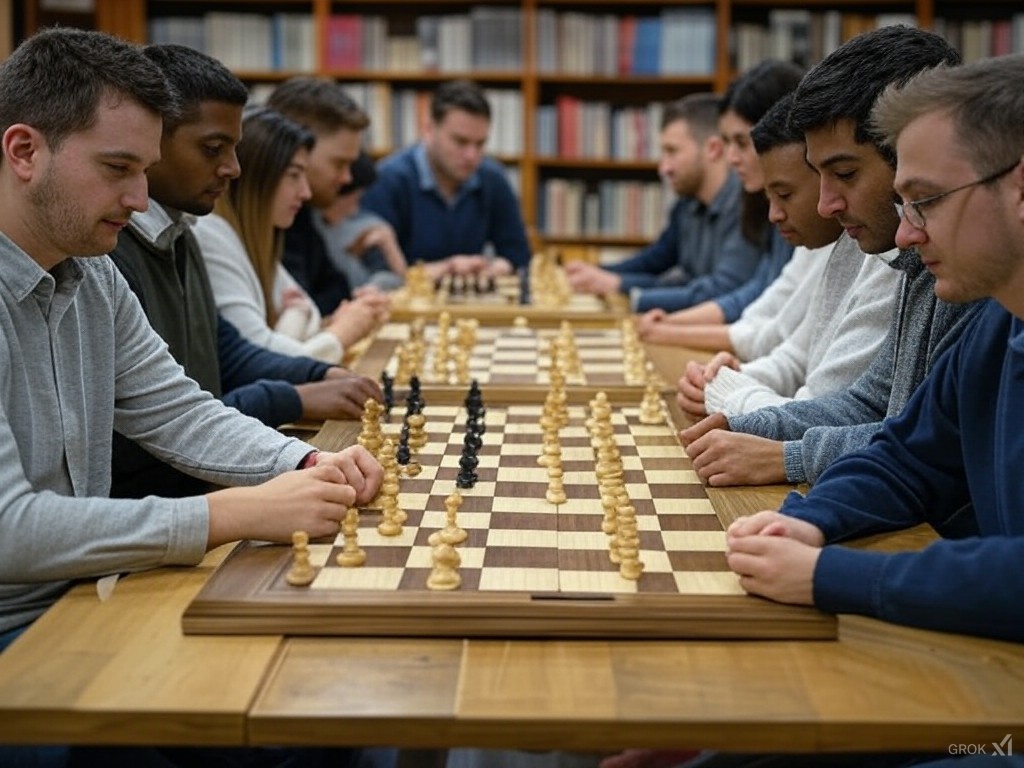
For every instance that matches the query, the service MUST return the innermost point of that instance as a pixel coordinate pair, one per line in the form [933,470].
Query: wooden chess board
[506,301]
[529,568]
[506,356]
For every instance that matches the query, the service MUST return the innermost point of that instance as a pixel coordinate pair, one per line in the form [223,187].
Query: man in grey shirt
[795,442]
[81,116]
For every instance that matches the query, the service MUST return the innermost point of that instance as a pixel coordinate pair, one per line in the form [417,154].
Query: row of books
[252,42]
[486,38]
[572,207]
[980,39]
[571,128]
[679,41]
[802,36]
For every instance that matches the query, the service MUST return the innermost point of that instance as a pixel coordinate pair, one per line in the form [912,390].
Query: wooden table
[121,672]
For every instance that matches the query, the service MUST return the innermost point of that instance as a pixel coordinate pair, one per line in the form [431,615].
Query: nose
[830,202]
[136,197]
[732,155]
[776,215]
[305,192]
[909,236]
[344,175]
[231,169]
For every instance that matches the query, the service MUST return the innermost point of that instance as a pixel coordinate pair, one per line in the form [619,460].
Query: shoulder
[215,235]
[397,165]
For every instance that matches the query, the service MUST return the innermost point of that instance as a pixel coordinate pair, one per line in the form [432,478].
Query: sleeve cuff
[793,460]
[847,580]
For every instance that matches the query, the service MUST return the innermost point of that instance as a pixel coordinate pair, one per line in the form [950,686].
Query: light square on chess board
[528,567]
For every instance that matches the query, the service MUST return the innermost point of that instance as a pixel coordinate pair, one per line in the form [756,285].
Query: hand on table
[590,278]
[775,556]
[339,396]
[313,500]
[722,457]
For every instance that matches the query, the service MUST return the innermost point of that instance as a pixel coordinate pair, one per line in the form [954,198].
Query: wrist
[309,460]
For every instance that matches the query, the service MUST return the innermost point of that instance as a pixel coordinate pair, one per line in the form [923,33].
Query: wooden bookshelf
[572,72]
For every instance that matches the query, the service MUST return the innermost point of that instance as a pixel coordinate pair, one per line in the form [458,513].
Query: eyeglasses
[913,211]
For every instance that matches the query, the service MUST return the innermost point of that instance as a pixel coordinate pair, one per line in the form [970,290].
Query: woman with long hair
[243,240]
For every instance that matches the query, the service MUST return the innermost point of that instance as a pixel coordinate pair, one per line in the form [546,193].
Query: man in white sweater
[845,319]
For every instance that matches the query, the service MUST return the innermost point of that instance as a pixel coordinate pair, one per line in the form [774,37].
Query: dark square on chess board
[528,567]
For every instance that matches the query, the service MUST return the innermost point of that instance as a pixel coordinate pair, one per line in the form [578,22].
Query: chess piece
[467,476]
[403,456]
[394,516]
[388,388]
[351,555]
[370,437]
[302,573]
[417,430]
[556,489]
[451,533]
[444,575]
[650,406]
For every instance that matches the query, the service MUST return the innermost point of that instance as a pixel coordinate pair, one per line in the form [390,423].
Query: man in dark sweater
[159,257]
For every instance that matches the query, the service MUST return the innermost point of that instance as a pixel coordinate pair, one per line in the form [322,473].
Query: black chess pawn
[403,455]
[472,441]
[467,476]
[388,388]
[474,399]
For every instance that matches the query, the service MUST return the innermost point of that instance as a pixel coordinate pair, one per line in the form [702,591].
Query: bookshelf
[579,82]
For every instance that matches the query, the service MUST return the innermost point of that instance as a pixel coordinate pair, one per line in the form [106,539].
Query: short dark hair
[698,110]
[775,129]
[756,90]
[319,104]
[464,95]
[847,82]
[196,78]
[54,81]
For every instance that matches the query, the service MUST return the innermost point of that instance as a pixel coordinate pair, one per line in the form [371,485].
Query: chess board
[507,301]
[510,357]
[528,568]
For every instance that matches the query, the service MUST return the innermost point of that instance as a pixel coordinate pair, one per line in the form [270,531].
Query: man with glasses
[797,441]
[955,447]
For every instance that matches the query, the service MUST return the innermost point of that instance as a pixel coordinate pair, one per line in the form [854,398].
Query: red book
[343,42]
[627,40]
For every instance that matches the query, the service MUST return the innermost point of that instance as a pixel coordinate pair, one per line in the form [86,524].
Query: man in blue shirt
[702,253]
[449,204]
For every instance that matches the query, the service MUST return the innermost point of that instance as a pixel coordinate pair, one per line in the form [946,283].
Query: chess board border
[245,596]
[242,597]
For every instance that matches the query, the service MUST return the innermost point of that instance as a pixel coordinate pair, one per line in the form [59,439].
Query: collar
[426,177]
[160,225]
[22,274]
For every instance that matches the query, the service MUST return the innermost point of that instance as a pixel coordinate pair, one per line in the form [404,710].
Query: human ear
[21,145]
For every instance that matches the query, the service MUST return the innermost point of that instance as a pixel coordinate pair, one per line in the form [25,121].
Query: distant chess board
[510,357]
[528,567]
[505,302]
